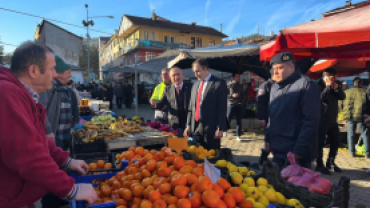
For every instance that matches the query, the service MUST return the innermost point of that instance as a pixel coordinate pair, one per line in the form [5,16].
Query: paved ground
[249,149]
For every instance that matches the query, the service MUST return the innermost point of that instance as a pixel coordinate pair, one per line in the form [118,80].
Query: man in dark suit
[207,108]
[176,97]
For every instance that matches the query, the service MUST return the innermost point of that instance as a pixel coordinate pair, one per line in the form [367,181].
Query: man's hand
[87,193]
[334,85]
[219,134]
[235,95]
[152,102]
[262,123]
[367,121]
[79,166]
[51,136]
[164,108]
[267,147]
[187,132]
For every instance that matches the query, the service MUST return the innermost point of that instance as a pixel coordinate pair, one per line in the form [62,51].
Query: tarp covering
[344,67]
[341,36]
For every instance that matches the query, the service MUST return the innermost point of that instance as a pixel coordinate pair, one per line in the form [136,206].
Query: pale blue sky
[238,17]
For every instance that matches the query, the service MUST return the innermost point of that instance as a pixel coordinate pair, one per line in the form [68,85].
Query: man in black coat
[127,91]
[176,97]
[234,103]
[207,108]
[119,95]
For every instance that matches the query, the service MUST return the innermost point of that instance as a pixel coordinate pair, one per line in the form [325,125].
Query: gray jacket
[294,117]
[52,102]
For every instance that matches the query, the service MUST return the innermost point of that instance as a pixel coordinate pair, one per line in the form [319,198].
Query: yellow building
[146,38]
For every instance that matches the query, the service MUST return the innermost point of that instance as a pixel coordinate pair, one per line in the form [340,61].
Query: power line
[2,43]
[32,15]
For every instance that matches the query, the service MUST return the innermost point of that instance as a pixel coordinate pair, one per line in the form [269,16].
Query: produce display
[162,127]
[108,119]
[200,152]
[92,132]
[236,173]
[128,126]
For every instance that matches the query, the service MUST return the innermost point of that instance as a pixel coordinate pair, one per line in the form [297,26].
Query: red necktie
[178,89]
[198,102]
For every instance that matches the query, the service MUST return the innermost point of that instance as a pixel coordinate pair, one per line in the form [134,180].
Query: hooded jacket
[29,161]
[330,98]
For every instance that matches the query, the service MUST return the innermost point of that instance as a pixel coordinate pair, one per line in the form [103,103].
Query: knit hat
[61,66]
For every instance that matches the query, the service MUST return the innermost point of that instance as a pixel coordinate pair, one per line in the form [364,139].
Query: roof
[346,8]
[41,25]
[166,24]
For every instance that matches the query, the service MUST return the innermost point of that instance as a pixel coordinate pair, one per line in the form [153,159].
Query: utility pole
[136,96]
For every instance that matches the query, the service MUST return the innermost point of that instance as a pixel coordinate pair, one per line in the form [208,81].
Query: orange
[146,204]
[130,155]
[126,195]
[218,189]
[204,184]
[165,188]
[146,173]
[121,202]
[134,184]
[194,187]
[198,171]
[164,171]
[191,178]
[169,159]
[147,182]
[192,163]
[121,206]
[181,191]
[116,185]
[126,184]
[151,164]
[135,206]
[186,169]
[172,206]
[159,203]
[153,152]
[245,204]
[93,166]
[132,149]
[158,181]
[178,179]
[148,157]
[166,196]
[184,203]
[173,173]
[131,170]
[195,198]
[172,200]
[159,156]
[136,200]
[154,195]
[138,190]
[221,204]
[108,166]
[237,194]
[210,198]
[224,184]
[154,177]
[146,152]
[179,162]
[172,168]
[106,191]
[139,151]
[229,200]
[147,191]
[138,176]
[161,164]
[100,163]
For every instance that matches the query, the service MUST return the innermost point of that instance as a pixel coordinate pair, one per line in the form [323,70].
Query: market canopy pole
[136,100]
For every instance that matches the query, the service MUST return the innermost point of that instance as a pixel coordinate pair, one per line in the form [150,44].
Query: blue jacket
[294,117]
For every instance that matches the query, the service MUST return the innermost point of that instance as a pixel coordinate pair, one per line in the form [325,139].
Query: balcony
[148,44]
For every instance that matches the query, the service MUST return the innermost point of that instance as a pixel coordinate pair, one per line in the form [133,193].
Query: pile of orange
[161,179]
[100,165]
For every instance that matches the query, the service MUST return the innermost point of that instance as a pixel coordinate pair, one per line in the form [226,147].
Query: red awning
[342,36]
[344,68]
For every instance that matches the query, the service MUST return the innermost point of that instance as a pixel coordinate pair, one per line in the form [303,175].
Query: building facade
[64,43]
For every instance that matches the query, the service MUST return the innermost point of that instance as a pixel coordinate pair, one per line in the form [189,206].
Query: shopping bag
[320,186]
[293,169]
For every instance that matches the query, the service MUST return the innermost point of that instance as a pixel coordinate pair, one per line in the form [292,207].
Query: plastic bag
[294,179]
[321,186]
[307,179]
[292,170]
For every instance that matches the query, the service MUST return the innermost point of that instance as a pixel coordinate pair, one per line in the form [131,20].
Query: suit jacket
[213,108]
[169,99]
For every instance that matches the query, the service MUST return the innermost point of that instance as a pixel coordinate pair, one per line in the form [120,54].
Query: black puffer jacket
[329,99]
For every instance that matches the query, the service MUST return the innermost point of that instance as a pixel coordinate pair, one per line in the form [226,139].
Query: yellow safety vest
[158,91]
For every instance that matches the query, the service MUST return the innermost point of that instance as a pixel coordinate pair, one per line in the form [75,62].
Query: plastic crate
[89,179]
[338,197]
[94,157]
[80,147]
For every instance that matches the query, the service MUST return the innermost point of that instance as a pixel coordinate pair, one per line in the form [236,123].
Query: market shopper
[331,93]
[206,118]
[176,97]
[118,92]
[294,113]
[74,103]
[128,96]
[29,161]
[263,99]
[161,114]
[234,103]
[353,107]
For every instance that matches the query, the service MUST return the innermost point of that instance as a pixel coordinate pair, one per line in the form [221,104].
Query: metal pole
[136,97]
[88,43]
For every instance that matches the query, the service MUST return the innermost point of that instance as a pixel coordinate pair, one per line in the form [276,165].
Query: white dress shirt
[180,87]
[201,98]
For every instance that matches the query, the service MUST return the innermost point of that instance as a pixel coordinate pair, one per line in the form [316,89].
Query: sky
[238,17]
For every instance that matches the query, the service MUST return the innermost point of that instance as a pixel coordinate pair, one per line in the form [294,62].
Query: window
[146,35]
[183,45]
[169,39]
[198,42]
[153,36]
[212,42]
[149,56]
